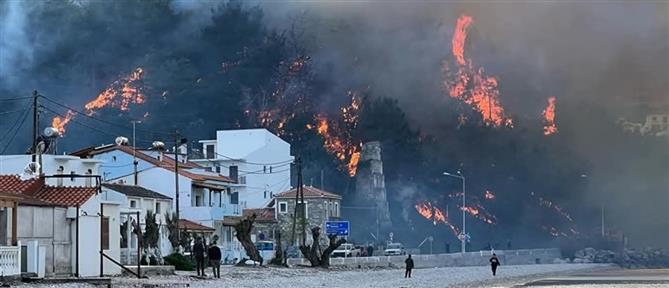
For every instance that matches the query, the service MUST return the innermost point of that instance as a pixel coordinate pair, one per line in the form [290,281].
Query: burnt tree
[313,252]
[243,231]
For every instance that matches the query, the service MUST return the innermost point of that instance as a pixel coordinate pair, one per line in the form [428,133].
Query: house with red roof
[72,223]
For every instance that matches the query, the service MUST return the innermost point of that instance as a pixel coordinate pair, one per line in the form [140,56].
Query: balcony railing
[10,260]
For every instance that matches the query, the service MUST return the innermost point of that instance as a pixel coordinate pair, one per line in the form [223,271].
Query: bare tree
[313,252]
[243,229]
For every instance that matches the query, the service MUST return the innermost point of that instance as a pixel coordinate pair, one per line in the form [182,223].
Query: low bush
[180,262]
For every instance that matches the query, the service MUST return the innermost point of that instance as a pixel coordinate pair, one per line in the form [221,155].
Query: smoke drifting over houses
[208,65]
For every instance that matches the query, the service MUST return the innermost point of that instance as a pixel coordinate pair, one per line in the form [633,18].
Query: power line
[13,111]
[101,120]
[80,123]
[16,98]
[16,129]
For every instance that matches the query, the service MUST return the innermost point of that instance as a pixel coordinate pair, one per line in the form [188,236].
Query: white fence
[10,260]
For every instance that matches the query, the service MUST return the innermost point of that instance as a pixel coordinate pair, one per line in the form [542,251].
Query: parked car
[266,250]
[346,250]
[394,249]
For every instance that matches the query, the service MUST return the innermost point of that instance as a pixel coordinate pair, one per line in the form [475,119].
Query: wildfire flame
[489,195]
[120,94]
[337,139]
[126,88]
[549,117]
[471,85]
[60,122]
[459,37]
[479,212]
[436,215]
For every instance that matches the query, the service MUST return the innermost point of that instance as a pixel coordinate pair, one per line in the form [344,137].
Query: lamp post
[464,226]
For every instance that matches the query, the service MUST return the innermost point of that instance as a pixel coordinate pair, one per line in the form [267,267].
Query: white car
[394,249]
[346,250]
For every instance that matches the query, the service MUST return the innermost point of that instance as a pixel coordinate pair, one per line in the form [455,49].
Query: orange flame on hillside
[489,195]
[60,122]
[479,212]
[459,37]
[336,135]
[549,117]
[125,88]
[436,215]
[471,85]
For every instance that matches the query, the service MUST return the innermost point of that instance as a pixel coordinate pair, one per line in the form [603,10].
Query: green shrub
[180,262]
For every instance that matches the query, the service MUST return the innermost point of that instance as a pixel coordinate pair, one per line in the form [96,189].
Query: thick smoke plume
[601,62]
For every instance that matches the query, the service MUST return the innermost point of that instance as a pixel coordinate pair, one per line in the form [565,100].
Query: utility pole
[300,190]
[35,125]
[297,200]
[603,231]
[134,148]
[176,179]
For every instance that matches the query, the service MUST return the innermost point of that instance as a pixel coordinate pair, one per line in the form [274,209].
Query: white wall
[162,181]
[89,238]
[15,164]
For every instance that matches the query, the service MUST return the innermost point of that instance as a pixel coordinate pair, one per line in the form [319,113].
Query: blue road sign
[339,228]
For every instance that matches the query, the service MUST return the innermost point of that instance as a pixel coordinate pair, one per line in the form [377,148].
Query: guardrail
[511,257]
[10,260]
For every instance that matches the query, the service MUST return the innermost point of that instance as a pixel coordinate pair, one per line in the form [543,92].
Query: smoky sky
[601,60]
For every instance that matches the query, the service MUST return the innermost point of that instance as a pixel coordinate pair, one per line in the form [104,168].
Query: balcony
[211,213]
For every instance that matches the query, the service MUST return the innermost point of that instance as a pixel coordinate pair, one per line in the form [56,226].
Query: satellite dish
[51,132]
[157,145]
[121,141]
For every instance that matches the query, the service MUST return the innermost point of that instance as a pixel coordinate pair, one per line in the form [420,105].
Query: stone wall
[506,257]
[317,215]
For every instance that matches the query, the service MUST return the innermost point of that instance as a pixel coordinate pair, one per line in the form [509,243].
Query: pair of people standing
[214,255]
[494,263]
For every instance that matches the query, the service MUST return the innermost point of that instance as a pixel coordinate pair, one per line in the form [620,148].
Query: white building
[205,197]
[137,199]
[258,160]
[65,217]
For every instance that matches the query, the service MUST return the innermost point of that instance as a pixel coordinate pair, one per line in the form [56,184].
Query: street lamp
[463,238]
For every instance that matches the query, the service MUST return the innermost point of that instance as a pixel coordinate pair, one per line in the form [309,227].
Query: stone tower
[371,189]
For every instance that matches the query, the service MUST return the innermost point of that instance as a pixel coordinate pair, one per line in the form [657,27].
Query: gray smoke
[16,50]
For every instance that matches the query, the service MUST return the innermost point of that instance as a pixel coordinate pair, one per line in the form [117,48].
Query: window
[234,198]
[209,151]
[105,233]
[89,180]
[265,194]
[60,171]
[270,169]
[234,173]
[264,169]
[336,209]
[158,207]
[133,204]
[283,207]
[113,158]
[198,200]
[242,179]
[218,169]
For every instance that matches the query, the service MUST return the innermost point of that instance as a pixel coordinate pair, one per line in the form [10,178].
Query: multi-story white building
[256,159]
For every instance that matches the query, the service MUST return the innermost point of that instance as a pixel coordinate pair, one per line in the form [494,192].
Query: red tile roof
[66,196]
[309,192]
[166,162]
[33,191]
[192,226]
[14,185]
[262,214]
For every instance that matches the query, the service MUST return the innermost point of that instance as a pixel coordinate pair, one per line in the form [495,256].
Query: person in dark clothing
[214,255]
[494,262]
[409,266]
[198,252]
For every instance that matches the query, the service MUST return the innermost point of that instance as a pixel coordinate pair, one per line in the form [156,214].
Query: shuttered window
[105,233]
